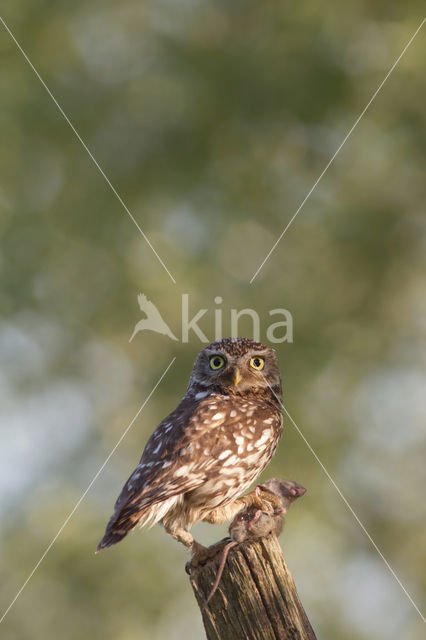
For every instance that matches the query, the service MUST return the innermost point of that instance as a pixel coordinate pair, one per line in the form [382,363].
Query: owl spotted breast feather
[210,449]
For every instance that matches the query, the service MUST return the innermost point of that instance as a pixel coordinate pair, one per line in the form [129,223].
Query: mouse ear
[300,491]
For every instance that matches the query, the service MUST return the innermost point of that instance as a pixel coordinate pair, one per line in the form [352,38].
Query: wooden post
[256,598]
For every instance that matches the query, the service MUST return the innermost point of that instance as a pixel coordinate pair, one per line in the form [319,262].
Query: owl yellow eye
[216,362]
[257,363]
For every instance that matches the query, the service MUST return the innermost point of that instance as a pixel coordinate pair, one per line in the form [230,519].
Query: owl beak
[236,376]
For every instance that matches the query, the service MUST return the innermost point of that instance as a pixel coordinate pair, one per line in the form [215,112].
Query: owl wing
[170,464]
[184,451]
[181,456]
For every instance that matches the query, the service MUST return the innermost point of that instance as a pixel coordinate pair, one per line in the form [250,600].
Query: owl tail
[116,531]
[109,539]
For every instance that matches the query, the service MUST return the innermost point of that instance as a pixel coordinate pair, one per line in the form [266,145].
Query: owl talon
[270,498]
[263,500]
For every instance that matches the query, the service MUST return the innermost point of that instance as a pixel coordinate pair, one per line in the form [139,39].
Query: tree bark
[256,598]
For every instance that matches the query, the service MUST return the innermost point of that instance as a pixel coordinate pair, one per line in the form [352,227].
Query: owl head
[236,366]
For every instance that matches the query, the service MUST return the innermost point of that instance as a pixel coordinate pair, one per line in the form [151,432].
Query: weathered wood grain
[256,598]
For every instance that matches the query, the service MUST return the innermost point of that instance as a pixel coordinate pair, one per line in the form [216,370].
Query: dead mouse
[254,523]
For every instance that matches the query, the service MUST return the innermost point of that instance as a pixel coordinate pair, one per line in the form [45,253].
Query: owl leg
[223,514]
[259,498]
[199,553]
[180,534]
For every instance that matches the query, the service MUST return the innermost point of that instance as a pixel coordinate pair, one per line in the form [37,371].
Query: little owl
[210,449]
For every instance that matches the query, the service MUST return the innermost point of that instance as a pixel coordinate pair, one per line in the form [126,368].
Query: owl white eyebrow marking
[213,352]
[335,154]
[95,477]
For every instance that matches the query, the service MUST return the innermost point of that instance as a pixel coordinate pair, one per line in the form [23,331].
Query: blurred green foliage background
[212,120]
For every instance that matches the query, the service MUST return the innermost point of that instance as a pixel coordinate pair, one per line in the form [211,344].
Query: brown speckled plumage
[210,449]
